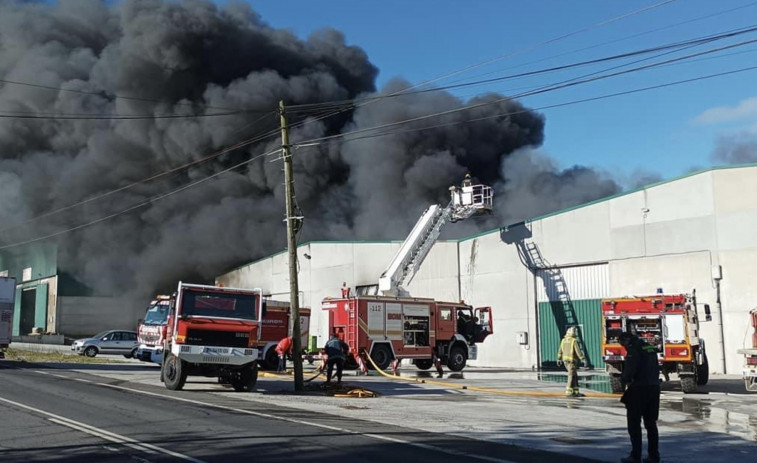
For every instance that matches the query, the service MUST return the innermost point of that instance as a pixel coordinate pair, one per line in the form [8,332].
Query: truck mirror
[707,314]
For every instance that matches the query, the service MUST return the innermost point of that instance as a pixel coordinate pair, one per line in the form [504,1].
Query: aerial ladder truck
[395,326]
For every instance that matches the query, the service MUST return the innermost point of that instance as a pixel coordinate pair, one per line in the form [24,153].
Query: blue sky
[667,131]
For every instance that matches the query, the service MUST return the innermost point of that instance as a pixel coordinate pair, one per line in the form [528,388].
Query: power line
[671,46]
[211,156]
[107,96]
[59,116]
[527,110]
[137,206]
[558,86]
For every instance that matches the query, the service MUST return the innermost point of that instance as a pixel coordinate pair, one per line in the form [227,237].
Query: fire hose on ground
[601,395]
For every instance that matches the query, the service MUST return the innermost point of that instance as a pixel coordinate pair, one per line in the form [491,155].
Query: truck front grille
[217,338]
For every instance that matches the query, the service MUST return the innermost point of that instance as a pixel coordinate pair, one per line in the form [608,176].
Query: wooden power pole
[291,223]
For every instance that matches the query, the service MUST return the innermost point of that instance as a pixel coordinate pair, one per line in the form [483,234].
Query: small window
[4,273]
[27,274]
[445,314]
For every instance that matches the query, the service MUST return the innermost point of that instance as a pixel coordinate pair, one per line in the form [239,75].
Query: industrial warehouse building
[692,233]
[51,301]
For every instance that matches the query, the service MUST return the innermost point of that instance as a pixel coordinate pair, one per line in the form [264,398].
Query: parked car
[108,342]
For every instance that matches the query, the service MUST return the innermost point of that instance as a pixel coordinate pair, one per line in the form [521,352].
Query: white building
[694,232]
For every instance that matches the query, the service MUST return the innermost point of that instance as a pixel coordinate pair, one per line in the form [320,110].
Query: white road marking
[103,434]
[303,422]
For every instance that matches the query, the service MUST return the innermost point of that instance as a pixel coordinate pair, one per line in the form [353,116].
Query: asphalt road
[54,415]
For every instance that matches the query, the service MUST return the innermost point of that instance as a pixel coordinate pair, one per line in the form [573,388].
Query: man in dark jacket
[641,374]
[336,351]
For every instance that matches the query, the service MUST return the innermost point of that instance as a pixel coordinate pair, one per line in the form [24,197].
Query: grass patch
[19,355]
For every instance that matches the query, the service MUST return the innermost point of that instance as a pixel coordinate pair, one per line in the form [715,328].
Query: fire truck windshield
[200,304]
[156,315]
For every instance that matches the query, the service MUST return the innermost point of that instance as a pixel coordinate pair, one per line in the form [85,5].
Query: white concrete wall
[669,235]
[332,263]
[85,316]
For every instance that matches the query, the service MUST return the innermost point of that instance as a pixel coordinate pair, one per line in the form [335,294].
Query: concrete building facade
[691,233]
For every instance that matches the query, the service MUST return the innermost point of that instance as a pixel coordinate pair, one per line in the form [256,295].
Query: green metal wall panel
[40,307]
[41,257]
[17,313]
[588,314]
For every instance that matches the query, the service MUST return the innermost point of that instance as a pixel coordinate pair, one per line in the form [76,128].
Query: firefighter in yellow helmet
[570,354]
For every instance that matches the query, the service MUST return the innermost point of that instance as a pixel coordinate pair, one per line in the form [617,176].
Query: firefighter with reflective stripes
[570,354]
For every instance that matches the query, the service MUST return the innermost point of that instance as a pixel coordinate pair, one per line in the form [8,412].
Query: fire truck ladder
[352,323]
[551,276]
[465,202]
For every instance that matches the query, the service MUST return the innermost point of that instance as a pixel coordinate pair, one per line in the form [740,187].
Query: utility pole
[291,220]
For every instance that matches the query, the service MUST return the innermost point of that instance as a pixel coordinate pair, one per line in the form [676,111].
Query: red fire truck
[151,332]
[389,328]
[275,327]
[212,331]
[668,322]
[396,326]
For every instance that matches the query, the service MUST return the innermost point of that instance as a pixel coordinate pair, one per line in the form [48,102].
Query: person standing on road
[283,348]
[570,354]
[641,375]
[336,350]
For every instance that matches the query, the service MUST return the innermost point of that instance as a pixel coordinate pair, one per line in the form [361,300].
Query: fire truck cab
[670,323]
[388,328]
[212,331]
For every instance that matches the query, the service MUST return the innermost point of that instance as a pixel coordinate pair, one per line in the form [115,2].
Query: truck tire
[424,364]
[689,384]
[174,373]
[271,361]
[244,379]
[616,383]
[381,356]
[703,372]
[457,358]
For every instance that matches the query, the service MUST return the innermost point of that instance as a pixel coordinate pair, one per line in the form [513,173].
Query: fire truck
[397,326]
[750,357]
[151,331]
[276,327]
[7,299]
[212,331]
[670,323]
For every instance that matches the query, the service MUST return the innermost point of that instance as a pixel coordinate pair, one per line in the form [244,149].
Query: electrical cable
[541,108]
[152,177]
[541,90]
[140,205]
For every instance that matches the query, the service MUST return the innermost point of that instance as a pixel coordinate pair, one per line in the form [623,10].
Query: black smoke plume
[195,58]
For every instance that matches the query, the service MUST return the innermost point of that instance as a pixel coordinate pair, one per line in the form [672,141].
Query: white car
[108,342]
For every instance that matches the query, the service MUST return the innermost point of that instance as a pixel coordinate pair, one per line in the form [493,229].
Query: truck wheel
[174,373]
[382,357]
[423,364]
[616,383]
[90,351]
[689,384]
[703,372]
[271,361]
[244,379]
[456,360]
